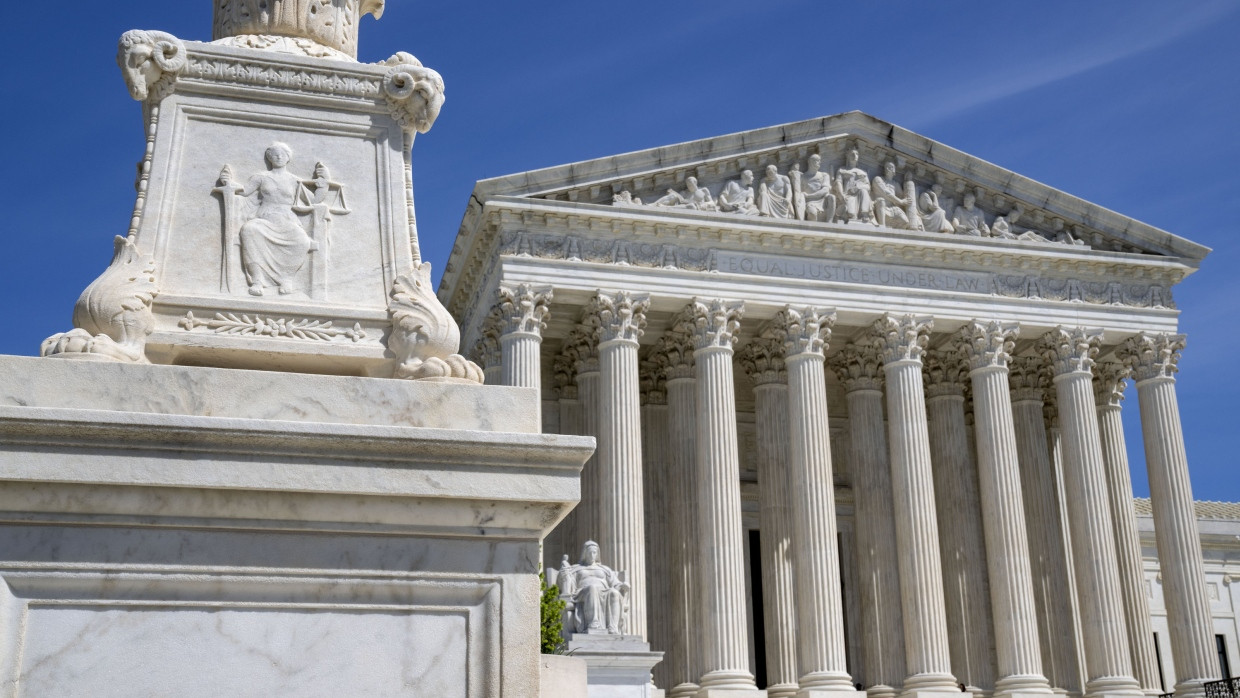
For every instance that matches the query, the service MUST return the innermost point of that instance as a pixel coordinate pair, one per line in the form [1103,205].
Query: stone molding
[523,308]
[332,27]
[762,360]
[987,344]
[859,367]
[1070,349]
[902,338]
[621,316]
[711,323]
[945,372]
[1027,378]
[803,330]
[1110,381]
[1151,356]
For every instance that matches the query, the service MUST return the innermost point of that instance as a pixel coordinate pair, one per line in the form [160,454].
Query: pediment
[927,192]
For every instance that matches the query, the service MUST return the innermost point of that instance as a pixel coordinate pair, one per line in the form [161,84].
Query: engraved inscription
[847,272]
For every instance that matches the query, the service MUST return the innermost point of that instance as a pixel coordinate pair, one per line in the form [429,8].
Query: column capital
[1050,410]
[523,308]
[803,330]
[1027,379]
[621,315]
[987,344]
[675,353]
[763,361]
[652,380]
[1070,349]
[945,372]
[902,337]
[1153,356]
[581,345]
[564,376]
[486,349]
[859,367]
[1110,380]
[711,322]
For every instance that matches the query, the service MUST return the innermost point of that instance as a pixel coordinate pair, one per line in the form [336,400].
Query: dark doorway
[755,602]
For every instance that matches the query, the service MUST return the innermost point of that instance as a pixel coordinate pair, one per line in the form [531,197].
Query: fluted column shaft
[1107,660]
[683,656]
[988,347]
[1048,558]
[859,368]
[655,446]
[1109,382]
[763,361]
[564,540]
[959,514]
[523,312]
[821,656]
[588,401]
[1154,360]
[917,535]
[721,576]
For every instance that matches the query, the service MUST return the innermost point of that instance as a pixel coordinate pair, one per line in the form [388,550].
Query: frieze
[248,73]
[292,328]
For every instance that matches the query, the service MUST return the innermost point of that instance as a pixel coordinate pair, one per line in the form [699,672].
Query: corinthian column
[859,368]
[675,351]
[988,347]
[1154,359]
[821,657]
[486,352]
[564,537]
[523,311]
[581,346]
[902,341]
[1048,557]
[656,481]
[721,553]
[1070,352]
[622,521]
[763,361]
[1109,382]
[959,514]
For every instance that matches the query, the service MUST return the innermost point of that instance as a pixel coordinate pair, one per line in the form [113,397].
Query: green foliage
[552,619]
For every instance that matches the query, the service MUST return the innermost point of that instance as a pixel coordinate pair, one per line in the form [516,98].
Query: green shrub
[552,619]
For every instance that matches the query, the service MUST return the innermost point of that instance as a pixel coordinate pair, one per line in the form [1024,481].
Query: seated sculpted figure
[274,245]
[854,189]
[775,195]
[968,219]
[737,195]
[695,197]
[890,209]
[933,217]
[814,200]
[597,594]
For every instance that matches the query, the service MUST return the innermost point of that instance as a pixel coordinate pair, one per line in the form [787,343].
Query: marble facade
[884,373]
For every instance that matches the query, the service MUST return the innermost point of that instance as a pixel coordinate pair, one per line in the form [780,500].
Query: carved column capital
[652,380]
[902,337]
[1027,379]
[581,346]
[945,372]
[564,376]
[150,62]
[1110,380]
[987,344]
[1070,349]
[859,367]
[523,308]
[675,350]
[486,350]
[803,330]
[621,315]
[1153,356]
[763,361]
[712,323]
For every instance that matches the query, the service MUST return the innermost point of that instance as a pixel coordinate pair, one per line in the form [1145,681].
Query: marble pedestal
[618,666]
[169,530]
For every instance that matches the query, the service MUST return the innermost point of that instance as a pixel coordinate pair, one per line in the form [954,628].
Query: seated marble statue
[854,189]
[625,198]
[738,196]
[775,195]
[890,209]
[814,200]
[933,217]
[274,245]
[695,197]
[598,596]
[1005,227]
[968,219]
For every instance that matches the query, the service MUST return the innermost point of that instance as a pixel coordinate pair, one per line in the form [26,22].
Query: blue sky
[1130,104]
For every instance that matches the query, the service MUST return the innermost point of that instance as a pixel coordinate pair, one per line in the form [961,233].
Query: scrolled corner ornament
[112,317]
[150,62]
[414,93]
[425,338]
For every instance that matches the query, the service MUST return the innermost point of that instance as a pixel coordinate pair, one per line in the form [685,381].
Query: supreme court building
[857,399]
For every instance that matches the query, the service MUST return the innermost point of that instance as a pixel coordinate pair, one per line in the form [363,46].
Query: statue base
[618,666]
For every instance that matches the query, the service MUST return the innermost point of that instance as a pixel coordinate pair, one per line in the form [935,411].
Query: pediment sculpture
[596,597]
[887,198]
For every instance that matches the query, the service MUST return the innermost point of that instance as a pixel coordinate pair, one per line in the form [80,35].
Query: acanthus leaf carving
[1110,381]
[1151,356]
[901,337]
[621,316]
[945,371]
[112,318]
[293,328]
[1070,349]
[1027,378]
[803,330]
[414,93]
[987,344]
[762,359]
[150,62]
[523,308]
[712,323]
[859,367]
[424,336]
